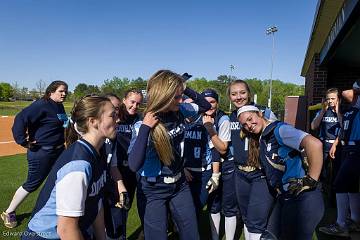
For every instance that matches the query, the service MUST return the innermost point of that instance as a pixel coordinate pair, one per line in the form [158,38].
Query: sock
[254,236]
[342,202]
[354,200]
[215,225]
[230,227]
[19,196]
[246,233]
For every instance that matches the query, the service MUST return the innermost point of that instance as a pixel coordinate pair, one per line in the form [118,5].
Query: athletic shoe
[353,226]
[9,219]
[335,230]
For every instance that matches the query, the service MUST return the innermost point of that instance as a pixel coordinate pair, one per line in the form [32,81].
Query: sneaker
[9,219]
[335,230]
[353,226]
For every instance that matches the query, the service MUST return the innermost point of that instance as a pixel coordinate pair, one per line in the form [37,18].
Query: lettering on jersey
[98,185]
[177,131]
[197,151]
[124,128]
[235,126]
[347,114]
[193,135]
[268,147]
[330,119]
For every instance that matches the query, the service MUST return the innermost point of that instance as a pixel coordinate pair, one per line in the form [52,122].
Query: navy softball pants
[296,218]
[177,196]
[198,189]
[40,162]
[348,176]
[254,199]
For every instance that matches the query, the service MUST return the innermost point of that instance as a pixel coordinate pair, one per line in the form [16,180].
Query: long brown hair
[83,109]
[254,148]
[52,88]
[161,89]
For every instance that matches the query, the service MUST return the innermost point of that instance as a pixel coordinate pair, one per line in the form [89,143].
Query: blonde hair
[161,89]
[83,109]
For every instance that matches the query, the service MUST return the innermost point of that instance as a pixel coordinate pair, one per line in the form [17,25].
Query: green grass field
[12,108]
[13,171]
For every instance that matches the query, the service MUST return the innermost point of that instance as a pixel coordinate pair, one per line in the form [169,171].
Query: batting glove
[298,185]
[213,182]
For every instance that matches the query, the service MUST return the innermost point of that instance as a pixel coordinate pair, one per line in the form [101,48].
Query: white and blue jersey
[175,125]
[74,188]
[330,125]
[197,152]
[280,154]
[123,138]
[239,146]
[350,132]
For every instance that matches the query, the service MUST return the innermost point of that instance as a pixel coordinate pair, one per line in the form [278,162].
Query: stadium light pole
[231,73]
[271,31]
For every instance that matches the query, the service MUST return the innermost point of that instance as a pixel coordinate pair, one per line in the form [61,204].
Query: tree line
[118,86]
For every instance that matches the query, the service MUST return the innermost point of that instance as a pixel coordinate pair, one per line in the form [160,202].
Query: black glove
[124,201]
[298,185]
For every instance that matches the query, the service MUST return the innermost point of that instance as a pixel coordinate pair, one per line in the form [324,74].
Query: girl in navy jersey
[327,120]
[252,192]
[299,205]
[124,191]
[71,199]
[217,125]
[39,128]
[156,153]
[346,183]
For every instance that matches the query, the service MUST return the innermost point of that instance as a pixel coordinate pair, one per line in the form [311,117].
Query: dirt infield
[7,143]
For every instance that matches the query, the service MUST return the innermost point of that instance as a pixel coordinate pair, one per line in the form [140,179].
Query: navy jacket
[43,121]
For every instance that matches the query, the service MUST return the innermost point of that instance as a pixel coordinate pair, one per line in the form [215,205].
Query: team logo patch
[268,147]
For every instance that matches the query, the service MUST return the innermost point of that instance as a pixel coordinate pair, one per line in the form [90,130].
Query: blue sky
[90,41]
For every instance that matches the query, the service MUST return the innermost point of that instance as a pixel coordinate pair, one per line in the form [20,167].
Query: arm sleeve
[215,155]
[138,145]
[19,129]
[291,136]
[224,129]
[203,105]
[71,188]
[25,119]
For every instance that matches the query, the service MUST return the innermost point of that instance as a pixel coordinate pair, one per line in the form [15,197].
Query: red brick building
[333,55]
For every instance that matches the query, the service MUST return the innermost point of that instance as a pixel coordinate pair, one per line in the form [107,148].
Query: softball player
[299,205]
[346,183]
[71,199]
[218,126]
[122,193]
[39,128]
[251,188]
[327,120]
[156,151]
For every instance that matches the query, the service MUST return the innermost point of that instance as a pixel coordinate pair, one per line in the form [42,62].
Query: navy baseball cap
[186,76]
[210,93]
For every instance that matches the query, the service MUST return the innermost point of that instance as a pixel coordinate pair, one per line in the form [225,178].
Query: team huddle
[181,154]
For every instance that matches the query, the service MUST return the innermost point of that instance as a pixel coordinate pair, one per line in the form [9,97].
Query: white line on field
[7,142]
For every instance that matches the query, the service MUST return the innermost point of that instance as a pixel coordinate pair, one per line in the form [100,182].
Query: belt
[52,147]
[199,169]
[246,168]
[350,143]
[166,179]
[329,141]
